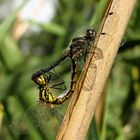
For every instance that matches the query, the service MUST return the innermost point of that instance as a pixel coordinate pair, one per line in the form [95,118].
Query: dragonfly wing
[40,118]
[89,82]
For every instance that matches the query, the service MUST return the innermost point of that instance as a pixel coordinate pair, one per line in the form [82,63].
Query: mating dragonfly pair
[79,47]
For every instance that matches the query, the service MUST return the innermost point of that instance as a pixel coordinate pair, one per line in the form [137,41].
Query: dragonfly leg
[55,86]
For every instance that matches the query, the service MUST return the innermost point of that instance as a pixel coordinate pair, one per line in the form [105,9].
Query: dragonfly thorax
[76,47]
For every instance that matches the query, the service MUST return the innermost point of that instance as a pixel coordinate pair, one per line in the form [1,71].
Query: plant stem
[93,79]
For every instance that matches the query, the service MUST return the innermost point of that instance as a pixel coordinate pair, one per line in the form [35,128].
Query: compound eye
[90,32]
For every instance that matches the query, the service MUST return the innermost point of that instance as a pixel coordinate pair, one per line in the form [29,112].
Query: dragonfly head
[90,34]
[40,80]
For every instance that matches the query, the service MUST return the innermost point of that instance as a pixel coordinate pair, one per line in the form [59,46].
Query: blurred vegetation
[20,58]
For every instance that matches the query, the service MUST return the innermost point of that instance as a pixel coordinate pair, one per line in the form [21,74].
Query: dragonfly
[46,96]
[44,115]
[77,48]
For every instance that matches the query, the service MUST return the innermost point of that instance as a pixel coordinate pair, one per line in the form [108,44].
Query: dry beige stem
[93,79]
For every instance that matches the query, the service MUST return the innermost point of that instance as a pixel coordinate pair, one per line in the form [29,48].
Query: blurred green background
[40,44]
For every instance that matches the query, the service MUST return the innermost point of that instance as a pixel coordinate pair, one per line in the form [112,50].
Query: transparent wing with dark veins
[39,117]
